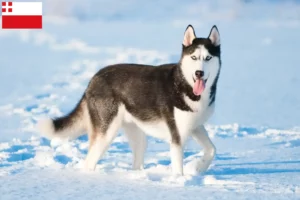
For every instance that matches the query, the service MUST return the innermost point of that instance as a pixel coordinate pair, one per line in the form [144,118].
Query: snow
[256,127]
[259,166]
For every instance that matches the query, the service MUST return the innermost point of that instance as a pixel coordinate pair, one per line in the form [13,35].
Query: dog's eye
[208,58]
[194,57]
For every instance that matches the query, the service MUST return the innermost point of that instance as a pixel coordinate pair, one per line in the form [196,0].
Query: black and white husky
[170,102]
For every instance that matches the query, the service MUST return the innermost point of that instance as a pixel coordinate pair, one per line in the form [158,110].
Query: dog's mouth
[199,86]
[205,80]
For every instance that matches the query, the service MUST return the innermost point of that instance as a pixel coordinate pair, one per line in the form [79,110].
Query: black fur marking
[213,88]
[212,49]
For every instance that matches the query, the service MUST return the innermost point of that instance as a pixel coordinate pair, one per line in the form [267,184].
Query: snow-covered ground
[256,126]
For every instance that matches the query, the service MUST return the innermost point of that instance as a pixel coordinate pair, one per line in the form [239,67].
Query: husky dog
[170,102]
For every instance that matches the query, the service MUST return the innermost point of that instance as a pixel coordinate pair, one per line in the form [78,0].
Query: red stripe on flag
[22,22]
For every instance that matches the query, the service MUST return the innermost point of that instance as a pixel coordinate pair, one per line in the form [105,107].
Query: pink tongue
[199,87]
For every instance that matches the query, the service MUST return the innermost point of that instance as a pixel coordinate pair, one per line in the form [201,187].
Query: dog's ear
[214,36]
[189,36]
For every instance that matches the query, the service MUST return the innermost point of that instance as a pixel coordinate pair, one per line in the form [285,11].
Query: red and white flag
[22,15]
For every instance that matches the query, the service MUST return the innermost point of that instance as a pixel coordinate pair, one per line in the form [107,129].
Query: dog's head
[200,59]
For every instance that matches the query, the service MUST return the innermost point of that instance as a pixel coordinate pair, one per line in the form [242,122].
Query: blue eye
[208,58]
[194,57]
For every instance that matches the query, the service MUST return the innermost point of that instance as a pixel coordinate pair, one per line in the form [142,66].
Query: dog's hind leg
[98,146]
[105,122]
[200,135]
[138,143]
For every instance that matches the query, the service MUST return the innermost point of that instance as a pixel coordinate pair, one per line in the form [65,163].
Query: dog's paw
[196,167]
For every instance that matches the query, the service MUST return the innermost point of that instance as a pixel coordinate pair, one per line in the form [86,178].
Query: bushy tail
[70,126]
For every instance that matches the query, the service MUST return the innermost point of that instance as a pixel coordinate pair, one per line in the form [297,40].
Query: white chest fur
[187,121]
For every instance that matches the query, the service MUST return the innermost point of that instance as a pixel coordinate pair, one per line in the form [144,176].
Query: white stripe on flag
[24,8]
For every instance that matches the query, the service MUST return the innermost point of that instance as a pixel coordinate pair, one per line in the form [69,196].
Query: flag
[22,15]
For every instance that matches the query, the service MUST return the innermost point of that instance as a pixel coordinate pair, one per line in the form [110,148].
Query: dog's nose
[199,73]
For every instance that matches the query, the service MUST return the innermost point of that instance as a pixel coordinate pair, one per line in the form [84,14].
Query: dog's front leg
[176,158]
[200,135]
[176,150]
